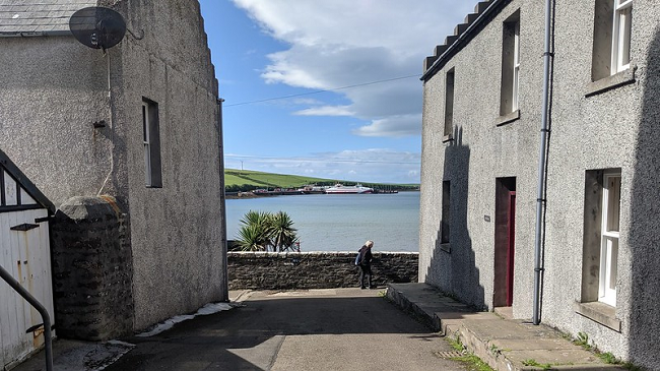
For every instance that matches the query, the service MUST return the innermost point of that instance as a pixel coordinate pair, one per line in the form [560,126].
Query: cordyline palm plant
[282,234]
[261,231]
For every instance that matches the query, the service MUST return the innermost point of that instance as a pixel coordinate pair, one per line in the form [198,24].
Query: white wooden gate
[25,254]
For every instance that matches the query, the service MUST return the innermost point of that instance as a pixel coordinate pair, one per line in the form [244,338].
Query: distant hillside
[246,180]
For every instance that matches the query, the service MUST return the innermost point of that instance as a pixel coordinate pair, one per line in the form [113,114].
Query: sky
[326,88]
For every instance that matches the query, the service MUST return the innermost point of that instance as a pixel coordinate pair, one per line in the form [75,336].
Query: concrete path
[342,329]
[507,345]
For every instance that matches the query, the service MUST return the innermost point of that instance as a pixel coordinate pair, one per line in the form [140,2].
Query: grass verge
[534,363]
[469,360]
[607,357]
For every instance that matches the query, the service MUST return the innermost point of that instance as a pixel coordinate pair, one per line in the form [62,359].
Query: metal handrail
[40,308]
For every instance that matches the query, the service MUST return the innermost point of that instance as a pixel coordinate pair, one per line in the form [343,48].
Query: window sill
[508,118]
[446,247]
[611,82]
[600,313]
[448,138]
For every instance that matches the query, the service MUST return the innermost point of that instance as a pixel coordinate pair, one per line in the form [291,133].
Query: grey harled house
[128,146]
[599,244]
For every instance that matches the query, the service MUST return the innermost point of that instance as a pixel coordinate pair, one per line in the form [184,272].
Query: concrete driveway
[343,329]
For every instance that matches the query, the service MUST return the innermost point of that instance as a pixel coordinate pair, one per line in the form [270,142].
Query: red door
[505,232]
[511,234]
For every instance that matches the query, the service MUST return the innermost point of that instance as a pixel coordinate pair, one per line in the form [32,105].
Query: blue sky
[326,88]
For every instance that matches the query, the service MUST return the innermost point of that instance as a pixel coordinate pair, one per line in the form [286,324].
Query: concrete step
[505,344]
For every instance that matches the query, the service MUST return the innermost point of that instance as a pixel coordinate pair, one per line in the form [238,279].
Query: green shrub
[263,231]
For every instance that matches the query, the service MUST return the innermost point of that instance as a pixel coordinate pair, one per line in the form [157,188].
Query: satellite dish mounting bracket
[136,37]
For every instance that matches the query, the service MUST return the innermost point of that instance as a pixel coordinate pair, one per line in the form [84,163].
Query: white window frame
[621,35]
[609,244]
[516,69]
[147,143]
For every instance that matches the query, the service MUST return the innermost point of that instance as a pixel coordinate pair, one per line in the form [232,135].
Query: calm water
[341,222]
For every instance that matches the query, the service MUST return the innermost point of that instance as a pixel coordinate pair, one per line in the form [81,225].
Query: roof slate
[30,16]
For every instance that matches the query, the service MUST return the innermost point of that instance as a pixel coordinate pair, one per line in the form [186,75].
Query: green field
[247,180]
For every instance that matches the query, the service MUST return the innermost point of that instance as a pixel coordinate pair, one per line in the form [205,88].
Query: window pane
[613,202]
[516,67]
[147,164]
[625,28]
[613,252]
[623,3]
[449,102]
[516,87]
[446,211]
[516,57]
[609,257]
[151,140]
[144,124]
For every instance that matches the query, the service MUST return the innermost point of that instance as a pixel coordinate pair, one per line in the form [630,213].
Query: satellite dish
[98,27]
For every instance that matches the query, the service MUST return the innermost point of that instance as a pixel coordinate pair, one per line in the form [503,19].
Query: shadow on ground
[251,337]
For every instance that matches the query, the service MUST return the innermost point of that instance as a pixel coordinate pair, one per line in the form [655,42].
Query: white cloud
[339,43]
[326,111]
[307,101]
[371,165]
[393,126]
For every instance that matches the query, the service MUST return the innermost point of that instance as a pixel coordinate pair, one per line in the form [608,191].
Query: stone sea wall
[315,270]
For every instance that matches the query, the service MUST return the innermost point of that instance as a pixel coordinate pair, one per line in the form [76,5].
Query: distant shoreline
[250,195]
[240,195]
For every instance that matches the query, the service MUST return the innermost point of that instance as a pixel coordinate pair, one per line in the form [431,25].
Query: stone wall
[314,270]
[92,270]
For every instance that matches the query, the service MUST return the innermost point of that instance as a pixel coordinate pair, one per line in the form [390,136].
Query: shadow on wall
[644,236]
[453,267]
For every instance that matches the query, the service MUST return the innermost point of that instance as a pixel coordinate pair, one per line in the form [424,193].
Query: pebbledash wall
[315,270]
[598,122]
[71,118]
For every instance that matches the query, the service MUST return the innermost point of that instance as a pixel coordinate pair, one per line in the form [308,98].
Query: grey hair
[369,243]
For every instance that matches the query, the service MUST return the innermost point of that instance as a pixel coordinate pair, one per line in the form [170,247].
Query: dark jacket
[365,256]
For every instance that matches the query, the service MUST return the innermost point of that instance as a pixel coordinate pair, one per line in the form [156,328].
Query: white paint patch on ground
[169,323]
[324,292]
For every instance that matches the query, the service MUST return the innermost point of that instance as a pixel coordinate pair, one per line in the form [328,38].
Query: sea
[340,222]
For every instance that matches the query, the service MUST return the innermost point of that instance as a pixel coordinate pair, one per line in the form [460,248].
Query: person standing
[364,261]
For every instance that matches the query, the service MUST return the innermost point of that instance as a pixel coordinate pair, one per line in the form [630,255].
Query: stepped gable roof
[29,17]
[484,12]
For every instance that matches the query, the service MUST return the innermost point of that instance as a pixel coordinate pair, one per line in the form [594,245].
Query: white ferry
[342,189]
